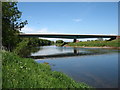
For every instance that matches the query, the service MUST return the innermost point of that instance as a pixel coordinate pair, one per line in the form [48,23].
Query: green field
[20,72]
[113,43]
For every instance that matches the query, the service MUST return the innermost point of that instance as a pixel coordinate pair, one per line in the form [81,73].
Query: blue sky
[70,17]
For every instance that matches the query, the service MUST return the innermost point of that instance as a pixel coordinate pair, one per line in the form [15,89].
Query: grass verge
[20,72]
[113,43]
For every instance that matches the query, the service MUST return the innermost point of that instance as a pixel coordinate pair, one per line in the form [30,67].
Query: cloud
[35,31]
[27,30]
[77,20]
[43,30]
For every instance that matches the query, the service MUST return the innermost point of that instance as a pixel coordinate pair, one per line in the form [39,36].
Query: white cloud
[27,30]
[43,30]
[35,31]
[77,20]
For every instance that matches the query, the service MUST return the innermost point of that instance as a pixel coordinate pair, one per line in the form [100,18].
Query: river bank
[106,47]
[20,72]
[114,44]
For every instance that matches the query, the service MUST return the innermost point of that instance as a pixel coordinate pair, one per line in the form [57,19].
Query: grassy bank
[26,73]
[113,43]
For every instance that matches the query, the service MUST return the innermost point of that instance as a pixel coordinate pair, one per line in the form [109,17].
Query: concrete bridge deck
[69,36]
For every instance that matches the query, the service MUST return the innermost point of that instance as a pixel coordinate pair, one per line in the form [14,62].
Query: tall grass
[26,73]
[114,43]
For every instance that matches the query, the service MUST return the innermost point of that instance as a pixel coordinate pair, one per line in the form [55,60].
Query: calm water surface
[96,67]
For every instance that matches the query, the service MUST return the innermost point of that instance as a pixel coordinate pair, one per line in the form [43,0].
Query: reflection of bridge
[69,36]
[76,52]
[64,55]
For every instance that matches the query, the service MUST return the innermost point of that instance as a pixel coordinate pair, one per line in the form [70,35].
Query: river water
[95,67]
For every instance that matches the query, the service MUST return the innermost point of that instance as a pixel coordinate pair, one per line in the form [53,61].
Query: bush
[59,41]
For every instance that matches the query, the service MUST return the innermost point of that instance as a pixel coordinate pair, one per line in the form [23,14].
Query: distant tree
[100,39]
[59,41]
[11,24]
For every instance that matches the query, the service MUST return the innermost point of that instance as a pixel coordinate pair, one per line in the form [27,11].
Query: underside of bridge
[70,36]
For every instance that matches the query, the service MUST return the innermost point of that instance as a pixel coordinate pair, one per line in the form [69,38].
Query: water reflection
[100,71]
[28,50]
[99,68]
[60,52]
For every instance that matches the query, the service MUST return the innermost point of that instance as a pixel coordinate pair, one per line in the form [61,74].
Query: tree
[11,24]
[59,41]
[100,39]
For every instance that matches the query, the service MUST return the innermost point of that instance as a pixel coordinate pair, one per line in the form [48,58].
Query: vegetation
[38,42]
[59,41]
[11,25]
[26,73]
[28,45]
[113,43]
[59,44]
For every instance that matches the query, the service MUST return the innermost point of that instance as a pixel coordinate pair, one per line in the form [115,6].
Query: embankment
[20,72]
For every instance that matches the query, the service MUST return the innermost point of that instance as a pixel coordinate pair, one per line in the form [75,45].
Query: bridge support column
[74,40]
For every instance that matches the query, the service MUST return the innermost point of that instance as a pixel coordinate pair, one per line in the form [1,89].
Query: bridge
[69,36]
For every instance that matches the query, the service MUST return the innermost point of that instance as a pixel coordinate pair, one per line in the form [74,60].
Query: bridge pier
[74,40]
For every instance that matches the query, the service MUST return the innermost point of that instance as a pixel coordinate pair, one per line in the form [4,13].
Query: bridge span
[70,36]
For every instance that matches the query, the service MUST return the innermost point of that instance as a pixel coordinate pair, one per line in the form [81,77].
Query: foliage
[11,24]
[52,42]
[59,41]
[42,42]
[26,73]
[113,43]
[21,48]
[28,45]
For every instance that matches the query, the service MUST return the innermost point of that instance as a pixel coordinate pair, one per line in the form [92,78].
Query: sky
[70,17]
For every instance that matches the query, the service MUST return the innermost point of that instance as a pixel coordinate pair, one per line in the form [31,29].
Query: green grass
[20,72]
[114,43]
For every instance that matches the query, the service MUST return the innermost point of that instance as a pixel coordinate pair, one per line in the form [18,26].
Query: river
[94,66]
